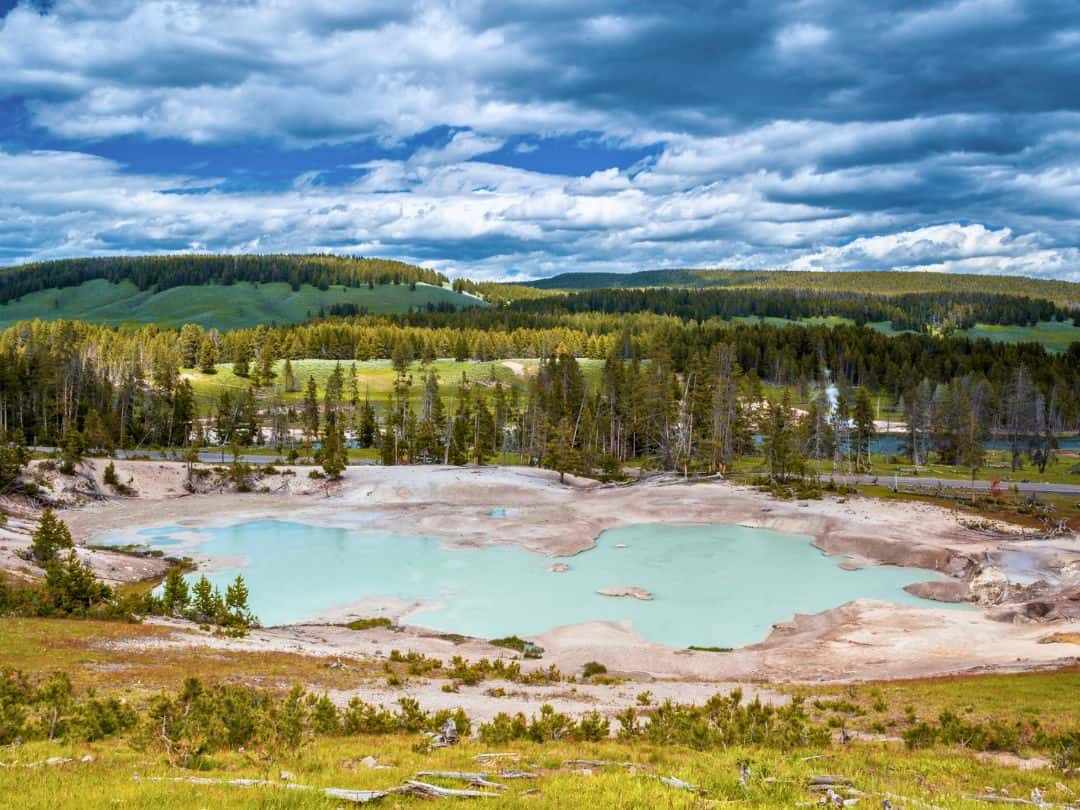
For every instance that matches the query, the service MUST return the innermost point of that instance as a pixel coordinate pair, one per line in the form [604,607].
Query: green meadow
[1055,336]
[375,378]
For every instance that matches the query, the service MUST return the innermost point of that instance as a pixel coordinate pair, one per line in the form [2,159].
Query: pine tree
[289,377]
[265,374]
[95,434]
[14,456]
[72,587]
[71,451]
[176,595]
[242,358]
[208,356]
[311,409]
[334,454]
[203,602]
[863,417]
[366,424]
[388,445]
[191,337]
[781,452]
[51,535]
[236,602]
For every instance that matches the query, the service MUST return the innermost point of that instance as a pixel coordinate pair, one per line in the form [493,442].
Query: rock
[86,758]
[949,591]
[990,587]
[287,776]
[369,762]
[634,593]
[558,568]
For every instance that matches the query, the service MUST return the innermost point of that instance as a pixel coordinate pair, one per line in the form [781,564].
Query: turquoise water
[712,585]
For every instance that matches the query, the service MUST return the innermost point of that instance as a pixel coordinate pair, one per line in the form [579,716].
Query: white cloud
[949,248]
[864,163]
[493,217]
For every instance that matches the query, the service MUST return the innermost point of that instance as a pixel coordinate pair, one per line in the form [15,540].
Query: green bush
[593,668]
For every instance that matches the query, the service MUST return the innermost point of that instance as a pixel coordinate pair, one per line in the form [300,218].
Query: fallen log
[352,796]
[1009,800]
[829,779]
[680,784]
[463,776]
[429,791]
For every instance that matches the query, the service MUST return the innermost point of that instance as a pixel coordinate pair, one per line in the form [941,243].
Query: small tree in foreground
[51,535]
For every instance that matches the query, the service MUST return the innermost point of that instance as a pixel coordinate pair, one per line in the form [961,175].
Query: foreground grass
[126,660]
[778,779]
[133,660]
[1046,699]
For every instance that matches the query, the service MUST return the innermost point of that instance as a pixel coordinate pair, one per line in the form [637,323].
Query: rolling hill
[876,283]
[223,292]
[239,305]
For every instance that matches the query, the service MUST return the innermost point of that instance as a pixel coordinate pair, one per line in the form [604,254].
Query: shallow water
[712,585]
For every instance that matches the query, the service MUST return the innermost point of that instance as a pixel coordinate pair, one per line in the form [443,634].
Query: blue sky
[523,139]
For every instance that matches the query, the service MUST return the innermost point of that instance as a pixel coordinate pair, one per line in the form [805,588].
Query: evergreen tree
[208,355]
[265,373]
[289,377]
[14,456]
[242,358]
[191,338]
[51,535]
[236,602]
[366,424]
[335,457]
[71,451]
[311,409]
[780,446]
[72,587]
[863,418]
[95,433]
[176,595]
[205,601]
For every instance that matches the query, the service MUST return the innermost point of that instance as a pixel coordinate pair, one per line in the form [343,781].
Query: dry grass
[87,649]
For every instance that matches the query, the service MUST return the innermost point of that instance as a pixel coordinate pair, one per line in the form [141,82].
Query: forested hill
[165,272]
[221,292]
[875,283]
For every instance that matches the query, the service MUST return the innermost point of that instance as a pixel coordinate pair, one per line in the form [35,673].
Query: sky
[514,139]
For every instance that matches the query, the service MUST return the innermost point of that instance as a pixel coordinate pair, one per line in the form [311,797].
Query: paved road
[205,456]
[930,482]
[925,482]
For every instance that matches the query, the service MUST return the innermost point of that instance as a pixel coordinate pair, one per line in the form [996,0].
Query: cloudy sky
[522,138]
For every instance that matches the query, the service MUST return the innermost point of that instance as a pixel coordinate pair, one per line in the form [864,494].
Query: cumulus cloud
[779,133]
[949,248]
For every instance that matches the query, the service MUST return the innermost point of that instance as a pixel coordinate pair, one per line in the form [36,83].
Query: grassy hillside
[234,306]
[878,283]
[1056,337]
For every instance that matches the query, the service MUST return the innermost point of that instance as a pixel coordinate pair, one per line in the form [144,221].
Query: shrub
[368,624]
[593,668]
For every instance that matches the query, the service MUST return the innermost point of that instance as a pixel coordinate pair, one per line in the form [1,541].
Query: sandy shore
[859,641]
